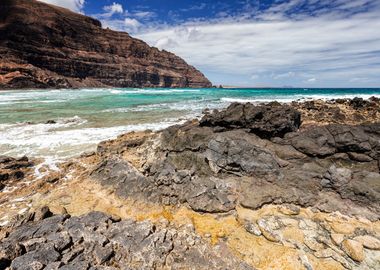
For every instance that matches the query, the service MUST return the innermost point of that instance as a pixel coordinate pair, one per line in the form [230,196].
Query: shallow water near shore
[58,124]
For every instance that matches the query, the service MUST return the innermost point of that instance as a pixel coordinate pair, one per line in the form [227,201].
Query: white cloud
[74,5]
[284,75]
[332,47]
[144,14]
[112,9]
[131,25]
[166,43]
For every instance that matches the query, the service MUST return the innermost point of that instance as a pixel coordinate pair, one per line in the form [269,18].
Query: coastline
[190,175]
[59,124]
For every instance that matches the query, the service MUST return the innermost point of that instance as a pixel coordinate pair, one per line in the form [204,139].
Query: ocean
[59,124]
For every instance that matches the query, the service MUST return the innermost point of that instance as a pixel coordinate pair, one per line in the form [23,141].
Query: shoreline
[45,136]
[274,181]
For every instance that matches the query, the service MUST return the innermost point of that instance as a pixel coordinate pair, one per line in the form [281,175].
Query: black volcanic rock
[45,46]
[266,121]
[221,162]
[97,240]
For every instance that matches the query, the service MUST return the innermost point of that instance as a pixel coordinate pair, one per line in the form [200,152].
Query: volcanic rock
[266,121]
[13,169]
[66,49]
[95,239]
[217,170]
[199,196]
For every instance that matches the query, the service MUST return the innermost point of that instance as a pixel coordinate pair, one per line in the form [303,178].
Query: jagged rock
[72,50]
[267,231]
[213,171]
[353,249]
[103,254]
[331,139]
[13,169]
[337,177]
[239,156]
[358,103]
[42,213]
[314,142]
[131,244]
[266,121]
[167,186]
[217,170]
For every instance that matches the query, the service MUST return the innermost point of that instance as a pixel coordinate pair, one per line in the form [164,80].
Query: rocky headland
[68,50]
[269,186]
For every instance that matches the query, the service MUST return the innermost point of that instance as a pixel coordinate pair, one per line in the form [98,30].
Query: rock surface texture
[221,162]
[248,187]
[12,170]
[97,241]
[65,50]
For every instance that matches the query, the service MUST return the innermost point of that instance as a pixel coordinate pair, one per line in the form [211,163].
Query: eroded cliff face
[44,46]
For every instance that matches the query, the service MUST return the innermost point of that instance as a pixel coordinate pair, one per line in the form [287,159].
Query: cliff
[44,46]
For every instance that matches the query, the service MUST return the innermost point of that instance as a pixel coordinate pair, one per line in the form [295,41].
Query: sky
[268,43]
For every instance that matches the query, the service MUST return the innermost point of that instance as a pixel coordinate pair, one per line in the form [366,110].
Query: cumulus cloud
[74,5]
[112,9]
[131,24]
[331,44]
[166,43]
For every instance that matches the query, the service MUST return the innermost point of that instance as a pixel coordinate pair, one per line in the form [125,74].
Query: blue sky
[300,43]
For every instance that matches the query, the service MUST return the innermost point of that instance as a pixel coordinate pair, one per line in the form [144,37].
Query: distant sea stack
[45,46]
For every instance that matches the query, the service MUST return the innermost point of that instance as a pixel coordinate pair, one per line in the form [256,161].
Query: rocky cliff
[45,46]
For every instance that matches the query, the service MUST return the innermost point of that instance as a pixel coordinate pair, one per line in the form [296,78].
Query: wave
[290,98]
[257,100]
[149,91]
[28,127]
[40,140]
[116,91]
[191,105]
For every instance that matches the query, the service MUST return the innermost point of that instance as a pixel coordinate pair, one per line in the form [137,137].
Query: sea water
[59,124]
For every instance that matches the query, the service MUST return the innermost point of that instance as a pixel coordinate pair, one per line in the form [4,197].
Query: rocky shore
[270,186]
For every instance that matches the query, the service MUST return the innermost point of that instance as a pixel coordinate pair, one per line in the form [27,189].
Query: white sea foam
[288,99]
[116,91]
[191,105]
[258,100]
[54,144]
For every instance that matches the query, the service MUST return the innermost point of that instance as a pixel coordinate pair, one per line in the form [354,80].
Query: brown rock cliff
[44,46]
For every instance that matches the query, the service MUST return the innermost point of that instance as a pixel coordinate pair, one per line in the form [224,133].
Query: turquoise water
[80,118]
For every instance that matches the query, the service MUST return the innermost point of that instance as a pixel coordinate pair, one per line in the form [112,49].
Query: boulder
[266,121]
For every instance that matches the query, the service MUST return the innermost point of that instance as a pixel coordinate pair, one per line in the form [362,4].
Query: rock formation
[216,167]
[12,170]
[248,187]
[65,50]
[100,241]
